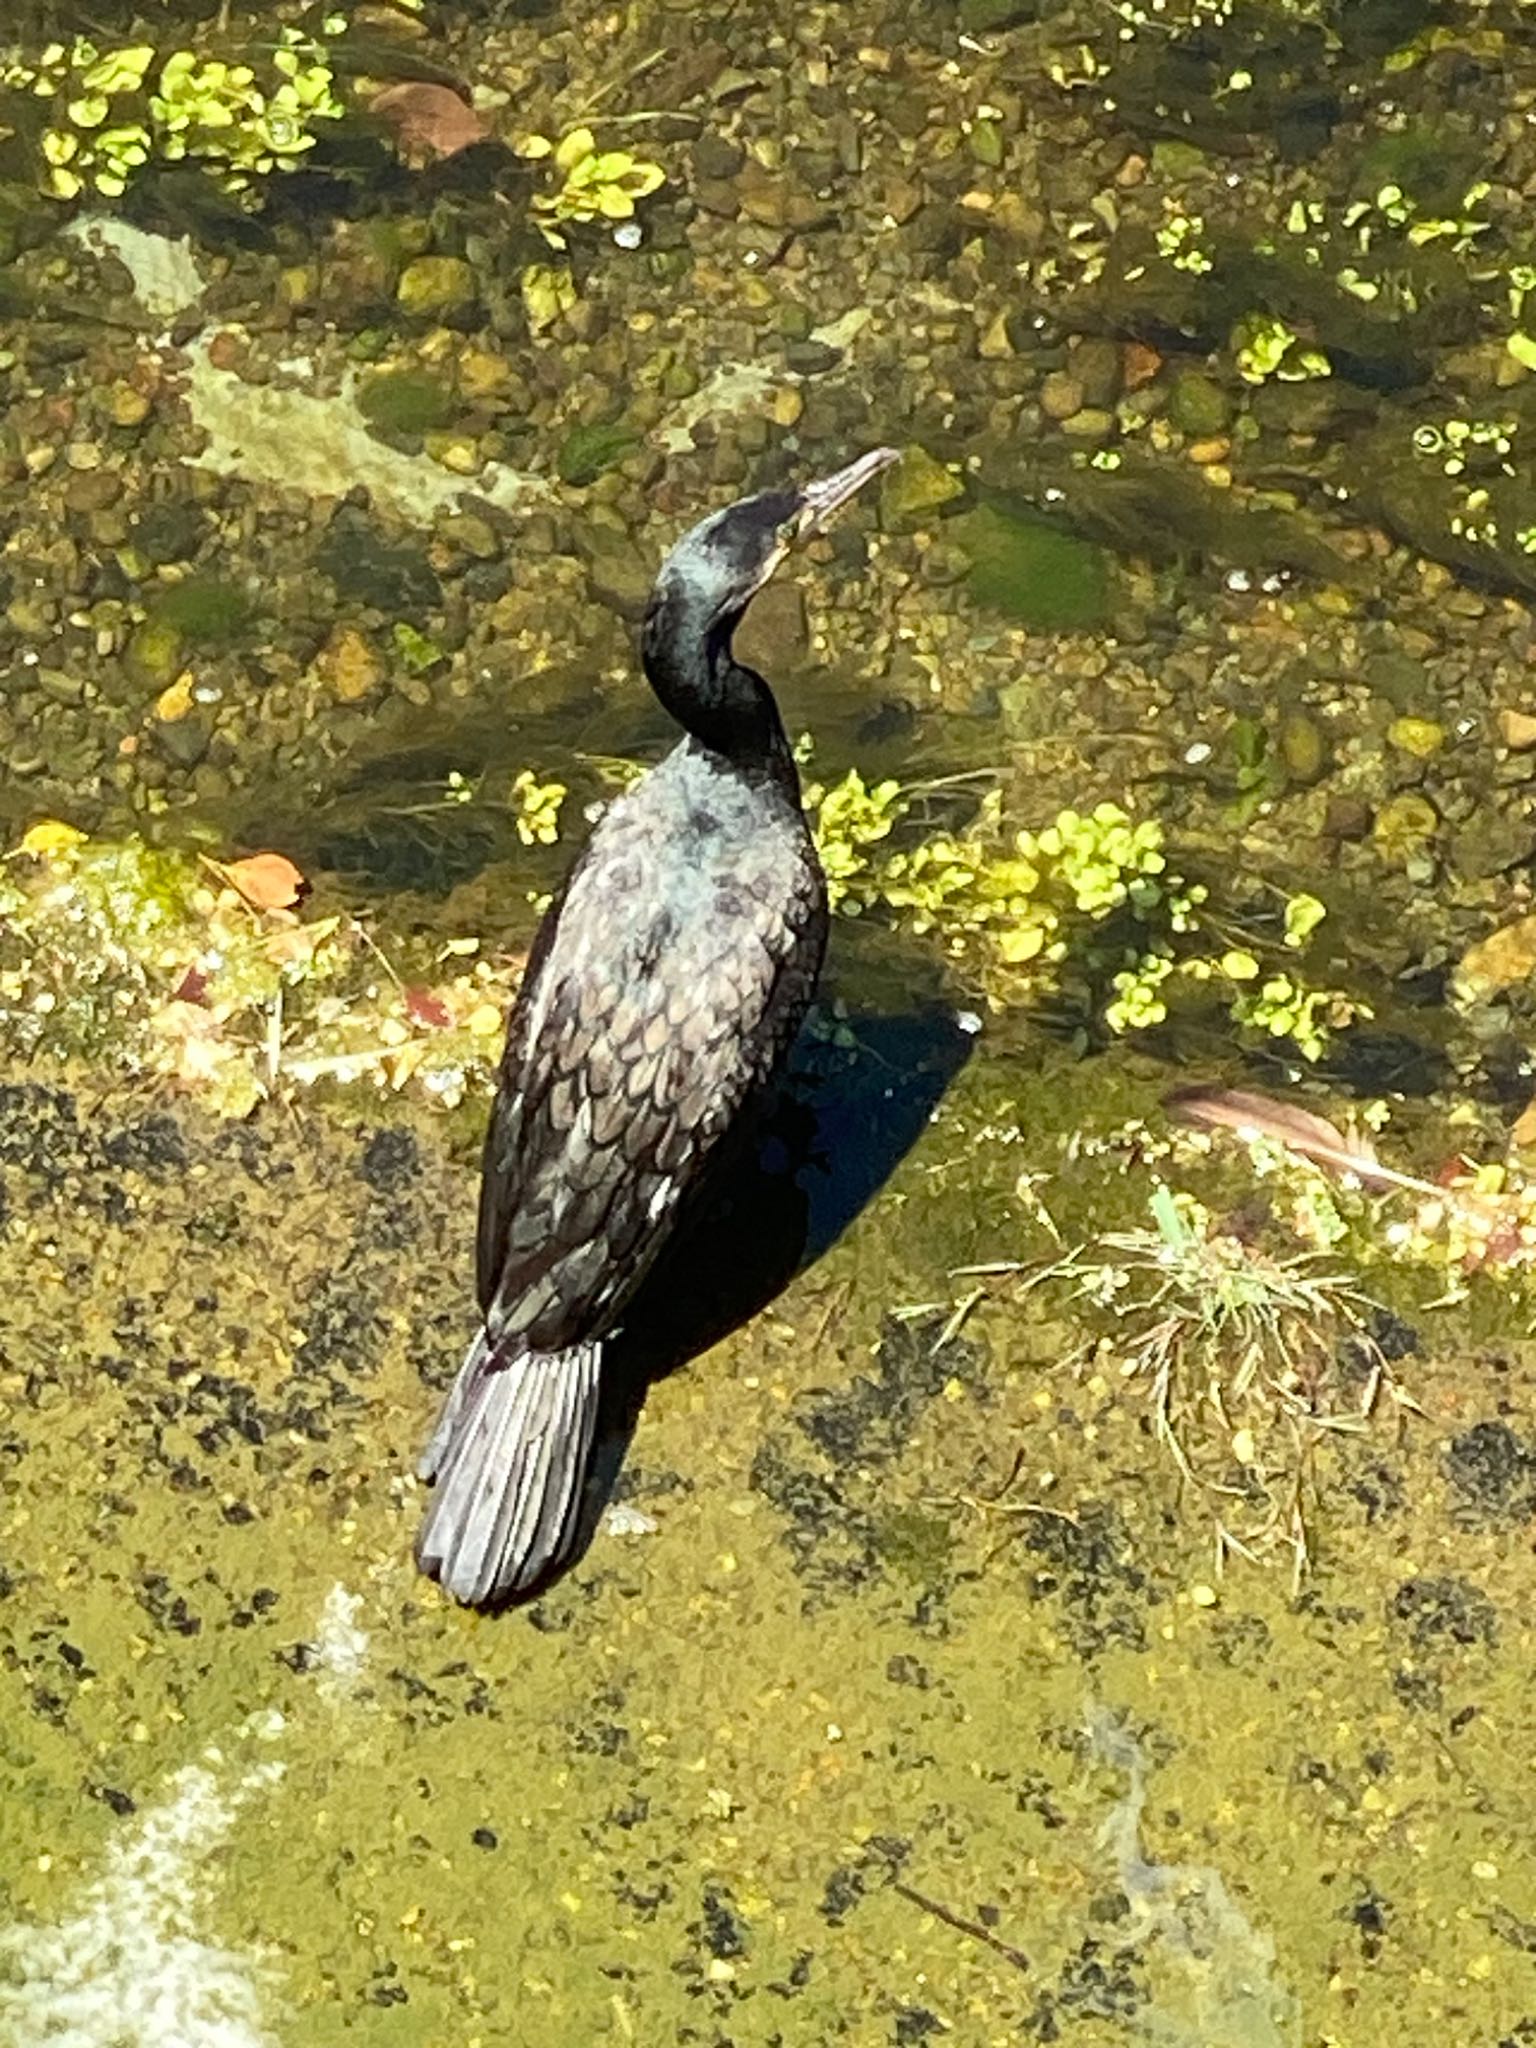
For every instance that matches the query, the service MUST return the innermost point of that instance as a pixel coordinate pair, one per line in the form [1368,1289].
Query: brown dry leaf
[267,881]
[425,1006]
[429,122]
[1139,364]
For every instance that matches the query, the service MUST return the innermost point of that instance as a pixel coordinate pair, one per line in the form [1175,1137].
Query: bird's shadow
[844,1112]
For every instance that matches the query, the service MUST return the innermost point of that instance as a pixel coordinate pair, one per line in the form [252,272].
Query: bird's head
[719,566]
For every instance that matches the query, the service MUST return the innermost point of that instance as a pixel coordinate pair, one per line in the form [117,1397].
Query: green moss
[407,402]
[153,654]
[916,1544]
[206,611]
[1035,572]
[587,451]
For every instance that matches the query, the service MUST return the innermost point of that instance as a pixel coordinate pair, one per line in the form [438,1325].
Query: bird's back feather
[650,1012]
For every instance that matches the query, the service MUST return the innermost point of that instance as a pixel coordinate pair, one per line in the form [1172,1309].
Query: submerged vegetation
[1245,1358]
[102,941]
[596,185]
[171,963]
[113,113]
[1089,905]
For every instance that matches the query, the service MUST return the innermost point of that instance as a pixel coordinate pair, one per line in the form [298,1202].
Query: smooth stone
[1503,960]
[1061,395]
[437,288]
[618,574]
[812,358]
[775,634]
[1303,748]
[716,156]
[1096,364]
[1491,843]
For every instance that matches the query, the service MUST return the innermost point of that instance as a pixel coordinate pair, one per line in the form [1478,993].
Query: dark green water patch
[204,611]
[1035,572]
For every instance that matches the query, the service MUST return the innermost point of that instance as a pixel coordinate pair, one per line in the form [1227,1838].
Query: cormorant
[667,979]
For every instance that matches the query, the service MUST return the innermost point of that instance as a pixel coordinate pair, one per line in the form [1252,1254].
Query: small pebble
[1517,729]
[1421,738]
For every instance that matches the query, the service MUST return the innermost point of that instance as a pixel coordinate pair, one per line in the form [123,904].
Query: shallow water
[910,1688]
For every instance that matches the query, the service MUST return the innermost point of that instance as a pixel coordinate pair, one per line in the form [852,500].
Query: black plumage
[665,983]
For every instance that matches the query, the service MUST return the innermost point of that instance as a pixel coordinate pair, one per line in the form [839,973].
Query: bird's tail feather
[509,1455]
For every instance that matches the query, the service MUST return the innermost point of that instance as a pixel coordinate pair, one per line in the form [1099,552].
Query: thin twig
[961,1925]
[275,1040]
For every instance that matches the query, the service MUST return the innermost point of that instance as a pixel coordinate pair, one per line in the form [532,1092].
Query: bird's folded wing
[615,1089]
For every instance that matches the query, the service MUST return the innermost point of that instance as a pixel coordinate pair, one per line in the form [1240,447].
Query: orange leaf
[267,881]
[429,122]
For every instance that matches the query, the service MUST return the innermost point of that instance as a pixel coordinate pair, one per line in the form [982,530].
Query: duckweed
[1090,900]
[115,113]
[598,184]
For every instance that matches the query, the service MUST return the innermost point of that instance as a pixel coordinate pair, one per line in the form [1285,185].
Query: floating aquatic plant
[1091,896]
[597,184]
[115,111]
[538,808]
[1265,347]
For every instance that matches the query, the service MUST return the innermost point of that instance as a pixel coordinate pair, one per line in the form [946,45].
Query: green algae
[1035,572]
[901,1578]
[203,611]
[587,451]
[407,402]
[735,1764]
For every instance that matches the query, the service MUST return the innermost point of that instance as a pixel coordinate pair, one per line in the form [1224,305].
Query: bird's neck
[723,704]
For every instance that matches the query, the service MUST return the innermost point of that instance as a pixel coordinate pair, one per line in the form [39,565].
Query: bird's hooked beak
[814,506]
[819,500]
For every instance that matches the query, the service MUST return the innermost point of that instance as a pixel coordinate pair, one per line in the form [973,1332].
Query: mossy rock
[587,451]
[438,288]
[1035,572]
[913,490]
[407,402]
[1198,405]
[205,611]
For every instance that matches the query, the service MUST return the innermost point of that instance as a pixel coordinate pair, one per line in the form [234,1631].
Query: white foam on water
[1236,1998]
[341,1643]
[127,1967]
